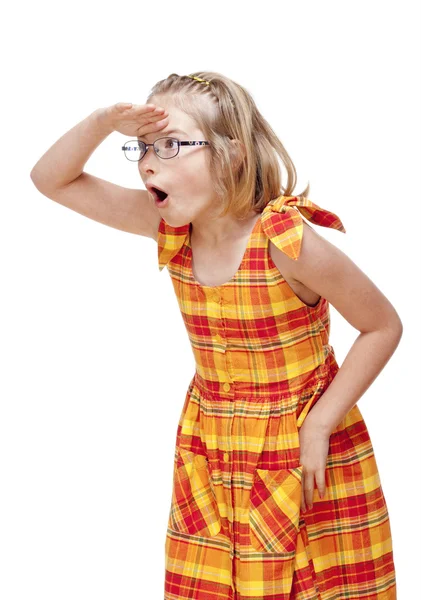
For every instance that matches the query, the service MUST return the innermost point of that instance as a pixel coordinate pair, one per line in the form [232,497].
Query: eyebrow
[170,131]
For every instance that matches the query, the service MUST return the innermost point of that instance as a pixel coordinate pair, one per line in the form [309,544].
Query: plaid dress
[263,359]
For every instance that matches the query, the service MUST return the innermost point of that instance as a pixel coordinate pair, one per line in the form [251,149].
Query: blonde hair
[246,176]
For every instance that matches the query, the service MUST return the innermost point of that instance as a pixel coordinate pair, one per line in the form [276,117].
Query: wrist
[102,121]
[317,424]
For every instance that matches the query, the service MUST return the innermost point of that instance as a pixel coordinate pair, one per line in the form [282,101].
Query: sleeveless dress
[263,360]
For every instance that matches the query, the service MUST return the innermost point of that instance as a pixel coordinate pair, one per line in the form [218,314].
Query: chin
[175,222]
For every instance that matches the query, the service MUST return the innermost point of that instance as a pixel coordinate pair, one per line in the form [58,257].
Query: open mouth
[158,194]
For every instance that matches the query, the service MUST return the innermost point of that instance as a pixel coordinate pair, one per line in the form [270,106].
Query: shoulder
[290,268]
[283,223]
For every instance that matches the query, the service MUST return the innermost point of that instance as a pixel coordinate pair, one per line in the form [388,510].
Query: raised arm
[59,173]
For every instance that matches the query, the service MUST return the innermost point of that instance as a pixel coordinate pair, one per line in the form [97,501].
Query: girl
[276,491]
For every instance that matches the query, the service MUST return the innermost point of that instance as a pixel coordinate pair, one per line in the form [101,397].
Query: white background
[95,357]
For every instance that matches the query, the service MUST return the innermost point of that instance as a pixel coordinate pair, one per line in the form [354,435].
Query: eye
[170,143]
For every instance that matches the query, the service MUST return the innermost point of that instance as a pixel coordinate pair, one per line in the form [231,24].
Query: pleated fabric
[263,360]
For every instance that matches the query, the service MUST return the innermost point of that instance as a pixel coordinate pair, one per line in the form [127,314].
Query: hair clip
[198,79]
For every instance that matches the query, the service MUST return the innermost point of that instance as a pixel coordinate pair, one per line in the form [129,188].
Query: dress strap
[170,241]
[283,224]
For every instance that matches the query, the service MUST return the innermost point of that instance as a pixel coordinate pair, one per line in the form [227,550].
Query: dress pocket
[275,502]
[194,509]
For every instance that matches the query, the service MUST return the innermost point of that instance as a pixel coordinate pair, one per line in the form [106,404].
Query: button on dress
[263,360]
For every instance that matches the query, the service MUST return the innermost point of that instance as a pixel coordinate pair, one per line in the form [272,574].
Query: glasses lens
[134,150]
[166,147]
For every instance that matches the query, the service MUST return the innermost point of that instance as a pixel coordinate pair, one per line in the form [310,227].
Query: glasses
[165,147]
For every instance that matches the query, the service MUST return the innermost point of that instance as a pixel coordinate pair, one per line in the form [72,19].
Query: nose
[148,163]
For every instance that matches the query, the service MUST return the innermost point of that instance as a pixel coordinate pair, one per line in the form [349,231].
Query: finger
[157,110]
[303,502]
[161,123]
[152,127]
[321,484]
[149,109]
[155,118]
[309,490]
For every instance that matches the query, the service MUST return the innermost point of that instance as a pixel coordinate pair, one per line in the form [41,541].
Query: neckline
[240,268]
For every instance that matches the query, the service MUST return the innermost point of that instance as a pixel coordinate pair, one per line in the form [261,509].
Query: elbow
[393,323]
[395,329]
[33,177]
[37,180]
[397,324]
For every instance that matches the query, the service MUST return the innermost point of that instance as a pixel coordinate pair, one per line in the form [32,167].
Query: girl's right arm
[59,173]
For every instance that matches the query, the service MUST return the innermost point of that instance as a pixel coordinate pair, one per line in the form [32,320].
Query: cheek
[202,166]
[196,176]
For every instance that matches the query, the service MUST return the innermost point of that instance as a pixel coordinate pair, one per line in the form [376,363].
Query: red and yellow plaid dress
[263,359]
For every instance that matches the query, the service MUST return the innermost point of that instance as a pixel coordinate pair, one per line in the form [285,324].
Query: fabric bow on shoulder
[283,223]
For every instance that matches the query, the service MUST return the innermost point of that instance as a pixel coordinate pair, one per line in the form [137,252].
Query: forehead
[179,122]
[166,131]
